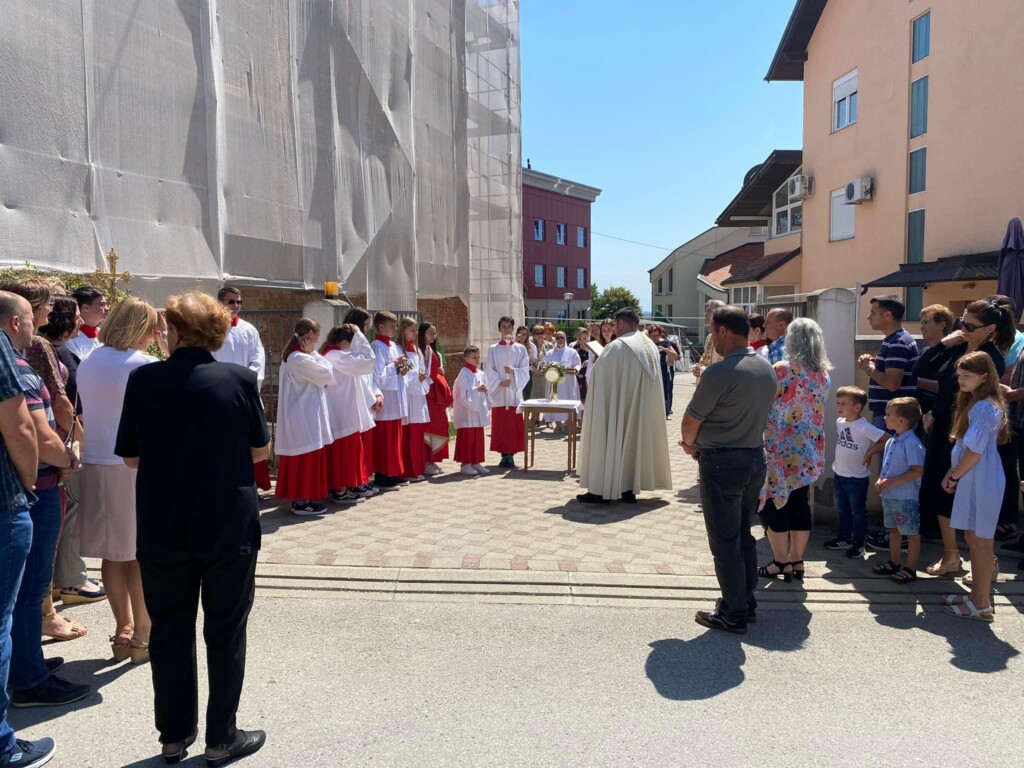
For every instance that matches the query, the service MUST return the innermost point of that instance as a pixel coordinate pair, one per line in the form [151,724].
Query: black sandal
[887,568]
[763,570]
[904,575]
[797,574]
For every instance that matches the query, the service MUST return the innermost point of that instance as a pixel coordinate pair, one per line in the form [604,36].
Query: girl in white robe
[351,359]
[303,425]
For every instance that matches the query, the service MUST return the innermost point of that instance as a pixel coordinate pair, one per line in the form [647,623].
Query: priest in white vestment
[624,445]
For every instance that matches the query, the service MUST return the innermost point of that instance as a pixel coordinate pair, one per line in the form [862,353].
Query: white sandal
[968,610]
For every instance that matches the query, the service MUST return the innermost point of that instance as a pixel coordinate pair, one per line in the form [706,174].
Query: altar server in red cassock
[439,399]
[508,372]
[351,358]
[417,386]
[303,426]
[389,373]
[472,414]
[372,397]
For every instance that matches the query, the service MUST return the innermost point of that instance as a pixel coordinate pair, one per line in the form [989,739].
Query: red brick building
[556,245]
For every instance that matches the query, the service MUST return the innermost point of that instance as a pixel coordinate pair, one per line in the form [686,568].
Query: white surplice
[303,420]
[515,356]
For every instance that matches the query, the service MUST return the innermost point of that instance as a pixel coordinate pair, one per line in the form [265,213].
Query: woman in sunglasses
[988,327]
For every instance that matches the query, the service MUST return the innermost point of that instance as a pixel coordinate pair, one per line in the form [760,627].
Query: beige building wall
[685,263]
[975,163]
[783,244]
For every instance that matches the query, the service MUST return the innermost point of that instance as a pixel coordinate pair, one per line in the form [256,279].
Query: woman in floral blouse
[795,444]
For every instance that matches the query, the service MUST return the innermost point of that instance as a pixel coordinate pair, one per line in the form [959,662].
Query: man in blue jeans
[723,429]
[19,458]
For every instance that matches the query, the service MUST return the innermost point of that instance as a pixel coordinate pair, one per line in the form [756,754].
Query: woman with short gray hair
[794,441]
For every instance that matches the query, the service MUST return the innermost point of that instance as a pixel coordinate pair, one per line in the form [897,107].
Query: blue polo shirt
[901,453]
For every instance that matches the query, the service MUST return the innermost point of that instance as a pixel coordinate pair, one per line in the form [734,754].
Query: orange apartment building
[912,161]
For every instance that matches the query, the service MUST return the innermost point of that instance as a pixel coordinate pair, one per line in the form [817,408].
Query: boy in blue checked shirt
[899,485]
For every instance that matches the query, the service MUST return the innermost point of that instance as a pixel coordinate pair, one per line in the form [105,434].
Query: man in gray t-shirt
[723,429]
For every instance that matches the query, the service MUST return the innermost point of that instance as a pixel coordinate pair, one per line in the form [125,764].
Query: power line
[634,242]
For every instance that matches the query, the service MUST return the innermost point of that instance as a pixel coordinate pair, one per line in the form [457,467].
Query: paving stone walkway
[515,521]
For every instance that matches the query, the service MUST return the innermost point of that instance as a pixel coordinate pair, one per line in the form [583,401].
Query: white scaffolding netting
[273,142]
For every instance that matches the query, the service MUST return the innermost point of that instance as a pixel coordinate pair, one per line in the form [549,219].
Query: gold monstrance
[109,279]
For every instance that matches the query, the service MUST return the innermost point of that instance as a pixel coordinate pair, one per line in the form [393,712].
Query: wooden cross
[110,278]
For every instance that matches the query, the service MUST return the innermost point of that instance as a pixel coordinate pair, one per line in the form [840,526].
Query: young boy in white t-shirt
[857,440]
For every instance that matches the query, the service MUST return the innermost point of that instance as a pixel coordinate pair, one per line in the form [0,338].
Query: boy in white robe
[389,374]
[472,414]
[508,372]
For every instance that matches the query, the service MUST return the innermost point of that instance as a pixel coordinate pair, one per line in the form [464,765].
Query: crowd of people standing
[943,424]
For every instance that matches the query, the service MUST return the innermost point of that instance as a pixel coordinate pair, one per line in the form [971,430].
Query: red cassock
[508,431]
[303,476]
[414,450]
[387,448]
[345,462]
[469,445]
[368,457]
[439,400]
[262,472]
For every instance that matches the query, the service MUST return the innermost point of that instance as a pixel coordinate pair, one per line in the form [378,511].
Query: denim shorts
[903,514]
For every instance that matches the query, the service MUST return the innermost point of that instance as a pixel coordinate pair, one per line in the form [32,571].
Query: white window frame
[671,280]
[538,275]
[560,277]
[538,230]
[844,93]
[839,213]
[581,278]
[560,234]
[660,285]
[788,209]
[581,237]
[744,295]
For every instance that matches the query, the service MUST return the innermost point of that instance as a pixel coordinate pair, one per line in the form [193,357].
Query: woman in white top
[106,514]
[372,397]
[303,426]
[568,389]
[351,358]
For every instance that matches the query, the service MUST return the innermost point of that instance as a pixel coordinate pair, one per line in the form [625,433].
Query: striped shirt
[898,350]
[12,494]
[37,398]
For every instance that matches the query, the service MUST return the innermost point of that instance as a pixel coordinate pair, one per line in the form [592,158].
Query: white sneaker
[417,479]
[467,469]
[432,469]
[481,469]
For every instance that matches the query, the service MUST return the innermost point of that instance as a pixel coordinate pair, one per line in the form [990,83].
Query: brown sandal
[75,629]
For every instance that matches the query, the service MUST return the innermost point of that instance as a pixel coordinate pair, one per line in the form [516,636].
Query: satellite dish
[751,173]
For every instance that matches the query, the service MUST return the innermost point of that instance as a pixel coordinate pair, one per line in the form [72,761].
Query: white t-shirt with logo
[853,440]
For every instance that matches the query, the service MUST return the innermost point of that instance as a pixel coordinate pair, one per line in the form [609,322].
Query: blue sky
[660,103]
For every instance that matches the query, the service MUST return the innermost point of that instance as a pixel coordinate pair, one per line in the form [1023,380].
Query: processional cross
[111,277]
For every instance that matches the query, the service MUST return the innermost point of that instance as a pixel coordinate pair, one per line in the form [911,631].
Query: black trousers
[730,483]
[1012,457]
[172,590]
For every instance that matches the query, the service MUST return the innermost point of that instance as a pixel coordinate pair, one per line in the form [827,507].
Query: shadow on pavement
[605,514]
[712,663]
[95,672]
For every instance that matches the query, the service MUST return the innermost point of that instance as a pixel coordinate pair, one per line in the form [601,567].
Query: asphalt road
[362,683]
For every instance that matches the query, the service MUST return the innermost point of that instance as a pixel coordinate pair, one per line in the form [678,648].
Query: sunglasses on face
[234,302]
[971,327]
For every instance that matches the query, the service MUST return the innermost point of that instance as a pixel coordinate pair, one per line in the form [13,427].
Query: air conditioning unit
[859,190]
[800,187]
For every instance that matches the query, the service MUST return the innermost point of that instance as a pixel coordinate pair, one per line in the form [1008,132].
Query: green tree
[606,303]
